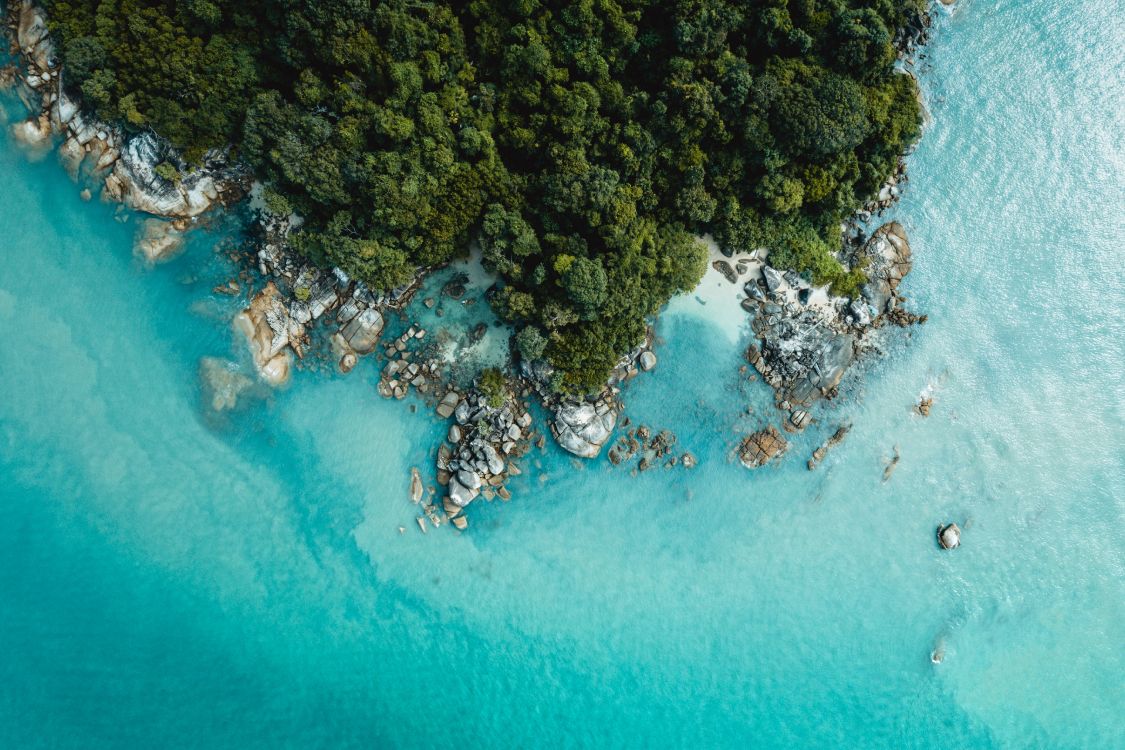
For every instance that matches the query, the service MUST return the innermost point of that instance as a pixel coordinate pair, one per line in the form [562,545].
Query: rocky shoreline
[805,339]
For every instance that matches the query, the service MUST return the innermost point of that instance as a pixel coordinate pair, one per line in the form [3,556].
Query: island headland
[584,180]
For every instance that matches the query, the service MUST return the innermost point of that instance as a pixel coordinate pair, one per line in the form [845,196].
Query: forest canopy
[584,143]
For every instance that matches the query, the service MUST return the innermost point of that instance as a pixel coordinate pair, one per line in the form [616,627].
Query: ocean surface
[172,578]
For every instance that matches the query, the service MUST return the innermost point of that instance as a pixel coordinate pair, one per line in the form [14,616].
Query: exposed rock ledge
[126,167]
[807,340]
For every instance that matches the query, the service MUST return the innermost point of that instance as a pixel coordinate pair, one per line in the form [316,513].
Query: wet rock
[949,536]
[269,330]
[924,406]
[460,494]
[688,460]
[647,360]
[836,438]
[761,447]
[416,488]
[888,261]
[362,331]
[454,435]
[448,404]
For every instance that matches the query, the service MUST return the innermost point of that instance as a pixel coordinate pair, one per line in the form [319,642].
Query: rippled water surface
[172,580]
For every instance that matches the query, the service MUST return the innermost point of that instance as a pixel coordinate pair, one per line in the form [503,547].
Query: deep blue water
[172,580]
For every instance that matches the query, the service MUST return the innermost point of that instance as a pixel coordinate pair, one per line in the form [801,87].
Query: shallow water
[172,580]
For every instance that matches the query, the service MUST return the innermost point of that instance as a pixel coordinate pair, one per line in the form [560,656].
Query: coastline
[278,319]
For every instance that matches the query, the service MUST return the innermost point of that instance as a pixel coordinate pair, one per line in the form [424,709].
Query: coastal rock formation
[806,340]
[270,332]
[133,167]
[761,447]
[949,536]
[583,428]
[836,438]
[136,182]
[476,460]
[888,261]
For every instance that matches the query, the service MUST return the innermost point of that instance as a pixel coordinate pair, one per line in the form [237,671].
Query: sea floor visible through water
[168,579]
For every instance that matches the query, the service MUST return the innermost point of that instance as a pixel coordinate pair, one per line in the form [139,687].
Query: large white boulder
[583,428]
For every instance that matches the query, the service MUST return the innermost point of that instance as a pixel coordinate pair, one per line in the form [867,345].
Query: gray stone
[581,429]
[460,494]
[774,279]
[647,360]
[362,332]
[454,434]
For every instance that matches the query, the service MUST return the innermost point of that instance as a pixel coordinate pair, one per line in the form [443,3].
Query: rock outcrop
[949,536]
[476,462]
[582,428]
[806,342]
[270,332]
[761,447]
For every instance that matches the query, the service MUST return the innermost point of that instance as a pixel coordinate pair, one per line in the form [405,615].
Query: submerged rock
[222,383]
[157,241]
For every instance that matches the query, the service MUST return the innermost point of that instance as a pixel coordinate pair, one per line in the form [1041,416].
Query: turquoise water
[168,579]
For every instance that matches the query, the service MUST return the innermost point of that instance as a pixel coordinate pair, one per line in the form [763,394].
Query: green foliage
[494,387]
[531,343]
[582,143]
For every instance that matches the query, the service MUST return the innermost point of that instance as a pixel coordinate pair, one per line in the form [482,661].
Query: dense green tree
[581,142]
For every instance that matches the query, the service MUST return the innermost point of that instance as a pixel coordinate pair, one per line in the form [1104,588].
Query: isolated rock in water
[583,428]
[157,241]
[268,329]
[647,360]
[949,536]
[362,332]
[415,485]
[888,261]
[761,447]
[222,383]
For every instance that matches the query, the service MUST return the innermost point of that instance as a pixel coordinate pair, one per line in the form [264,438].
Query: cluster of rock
[835,439]
[401,372]
[475,459]
[806,340]
[761,447]
[653,448]
[300,294]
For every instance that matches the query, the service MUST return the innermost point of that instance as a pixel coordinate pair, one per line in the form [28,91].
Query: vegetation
[583,142]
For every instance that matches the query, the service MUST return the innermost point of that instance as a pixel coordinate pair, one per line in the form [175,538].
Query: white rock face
[583,429]
[134,181]
[647,360]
